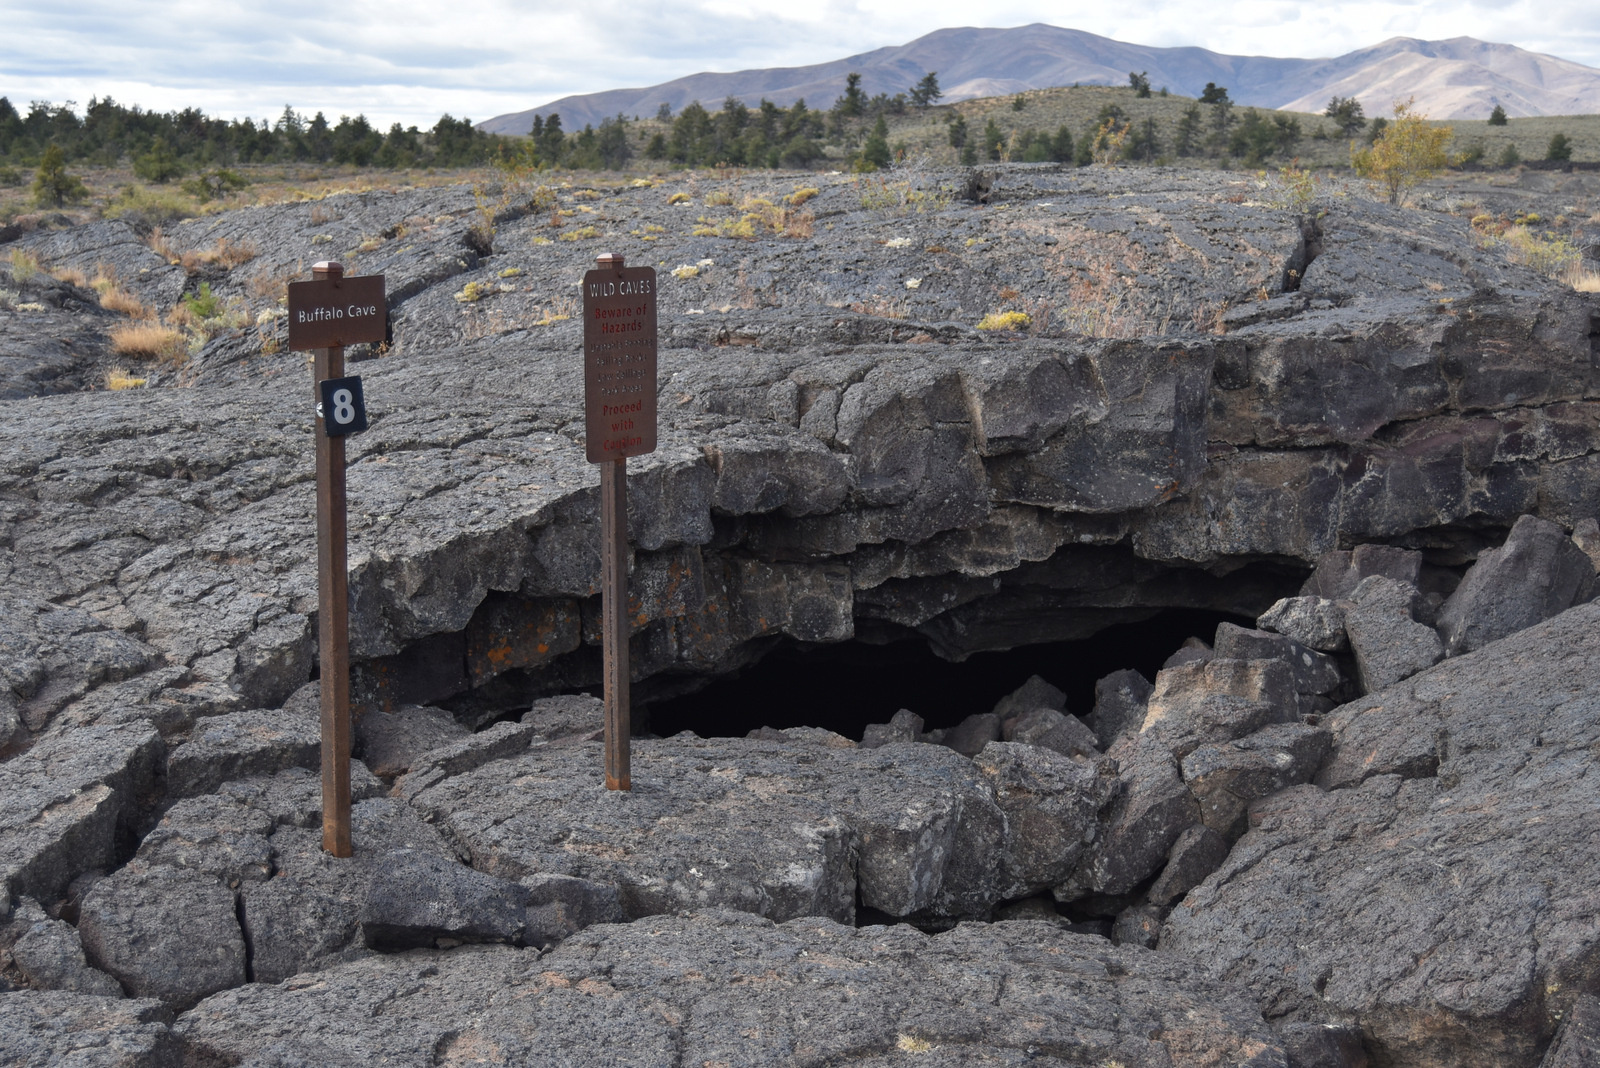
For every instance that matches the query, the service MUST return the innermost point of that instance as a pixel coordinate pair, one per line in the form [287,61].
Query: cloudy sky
[409,61]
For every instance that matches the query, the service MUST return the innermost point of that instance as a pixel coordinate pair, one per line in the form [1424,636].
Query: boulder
[53,1027]
[1218,700]
[1446,907]
[1192,651]
[973,733]
[1314,673]
[1389,644]
[1062,732]
[391,742]
[1315,622]
[242,745]
[1536,574]
[560,906]
[1120,700]
[1339,571]
[1035,693]
[576,717]
[1137,925]
[1197,853]
[803,736]
[905,726]
[50,956]
[1152,808]
[732,988]
[1586,536]
[417,899]
[1051,804]
[164,933]
[1225,778]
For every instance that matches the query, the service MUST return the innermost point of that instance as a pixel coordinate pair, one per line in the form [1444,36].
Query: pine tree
[52,184]
[1497,117]
[875,153]
[926,93]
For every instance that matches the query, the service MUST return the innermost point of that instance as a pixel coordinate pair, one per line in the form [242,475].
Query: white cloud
[410,61]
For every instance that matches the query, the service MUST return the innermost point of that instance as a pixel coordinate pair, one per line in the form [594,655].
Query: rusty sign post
[326,314]
[619,406]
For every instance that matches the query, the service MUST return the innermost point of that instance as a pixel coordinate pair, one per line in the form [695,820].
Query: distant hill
[1461,78]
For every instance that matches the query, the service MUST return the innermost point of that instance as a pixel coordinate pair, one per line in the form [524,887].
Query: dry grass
[882,307]
[125,303]
[158,243]
[148,341]
[70,275]
[120,378]
[1586,282]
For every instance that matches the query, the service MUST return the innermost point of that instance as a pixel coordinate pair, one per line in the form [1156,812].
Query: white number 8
[343,410]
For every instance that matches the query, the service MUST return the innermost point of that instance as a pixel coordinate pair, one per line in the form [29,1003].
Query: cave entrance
[845,686]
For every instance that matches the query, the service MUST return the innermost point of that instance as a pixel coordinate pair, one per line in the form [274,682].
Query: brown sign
[330,312]
[619,361]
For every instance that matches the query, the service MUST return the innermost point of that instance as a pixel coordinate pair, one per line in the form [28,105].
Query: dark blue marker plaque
[343,409]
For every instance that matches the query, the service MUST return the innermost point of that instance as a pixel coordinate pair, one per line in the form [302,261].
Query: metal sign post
[332,312]
[619,401]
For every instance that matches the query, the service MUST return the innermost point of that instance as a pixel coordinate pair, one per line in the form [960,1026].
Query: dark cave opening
[847,685]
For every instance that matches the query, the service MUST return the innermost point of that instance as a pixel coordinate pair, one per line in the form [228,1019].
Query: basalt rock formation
[1356,426]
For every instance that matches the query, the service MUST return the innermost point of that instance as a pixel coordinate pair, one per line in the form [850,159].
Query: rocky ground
[1358,832]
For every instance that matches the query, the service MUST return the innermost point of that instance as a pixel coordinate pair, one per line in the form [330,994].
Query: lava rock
[560,906]
[1051,804]
[1139,925]
[1536,574]
[1152,808]
[1192,651]
[1197,853]
[1451,907]
[1577,1044]
[64,803]
[217,835]
[1120,701]
[1340,571]
[1315,622]
[390,743]
[1062,732]
[904,726]
[50,957]
[576,717]
[732,988]
[973,733]
[1218,700]
[414,899]
[1035,693]
[1225,778]
[1323,1045]
[242,745]
[496,742]
[54,1027]
[1389,644]
[1586,536]
[1315,673]
[803,736]
[164,933]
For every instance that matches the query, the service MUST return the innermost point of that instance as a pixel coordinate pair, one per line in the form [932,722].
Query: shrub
[10,176]
[1560,148]
[1551,256]
[801,195]
[24,266]
[148,341]
[214,185]
[119,378]
[582,233]
[1011,320]
[679,198]
[159,165]
[1510,157]
[52,184]
[717,198]
[202,305]
[1407,151]
[124,303]
[148,209]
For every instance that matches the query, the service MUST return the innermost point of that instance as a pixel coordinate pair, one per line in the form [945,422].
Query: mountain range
[1460,78]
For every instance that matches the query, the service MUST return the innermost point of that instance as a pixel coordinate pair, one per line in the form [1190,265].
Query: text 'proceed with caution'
[619,362]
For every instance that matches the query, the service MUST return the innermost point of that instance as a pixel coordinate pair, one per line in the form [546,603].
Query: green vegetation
[52,184]
[1408,151]
[1497,117]
[166,145]
[1560,148]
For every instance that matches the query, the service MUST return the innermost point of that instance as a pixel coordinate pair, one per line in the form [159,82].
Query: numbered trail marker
[326,314]
[343,410]
[619,403]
